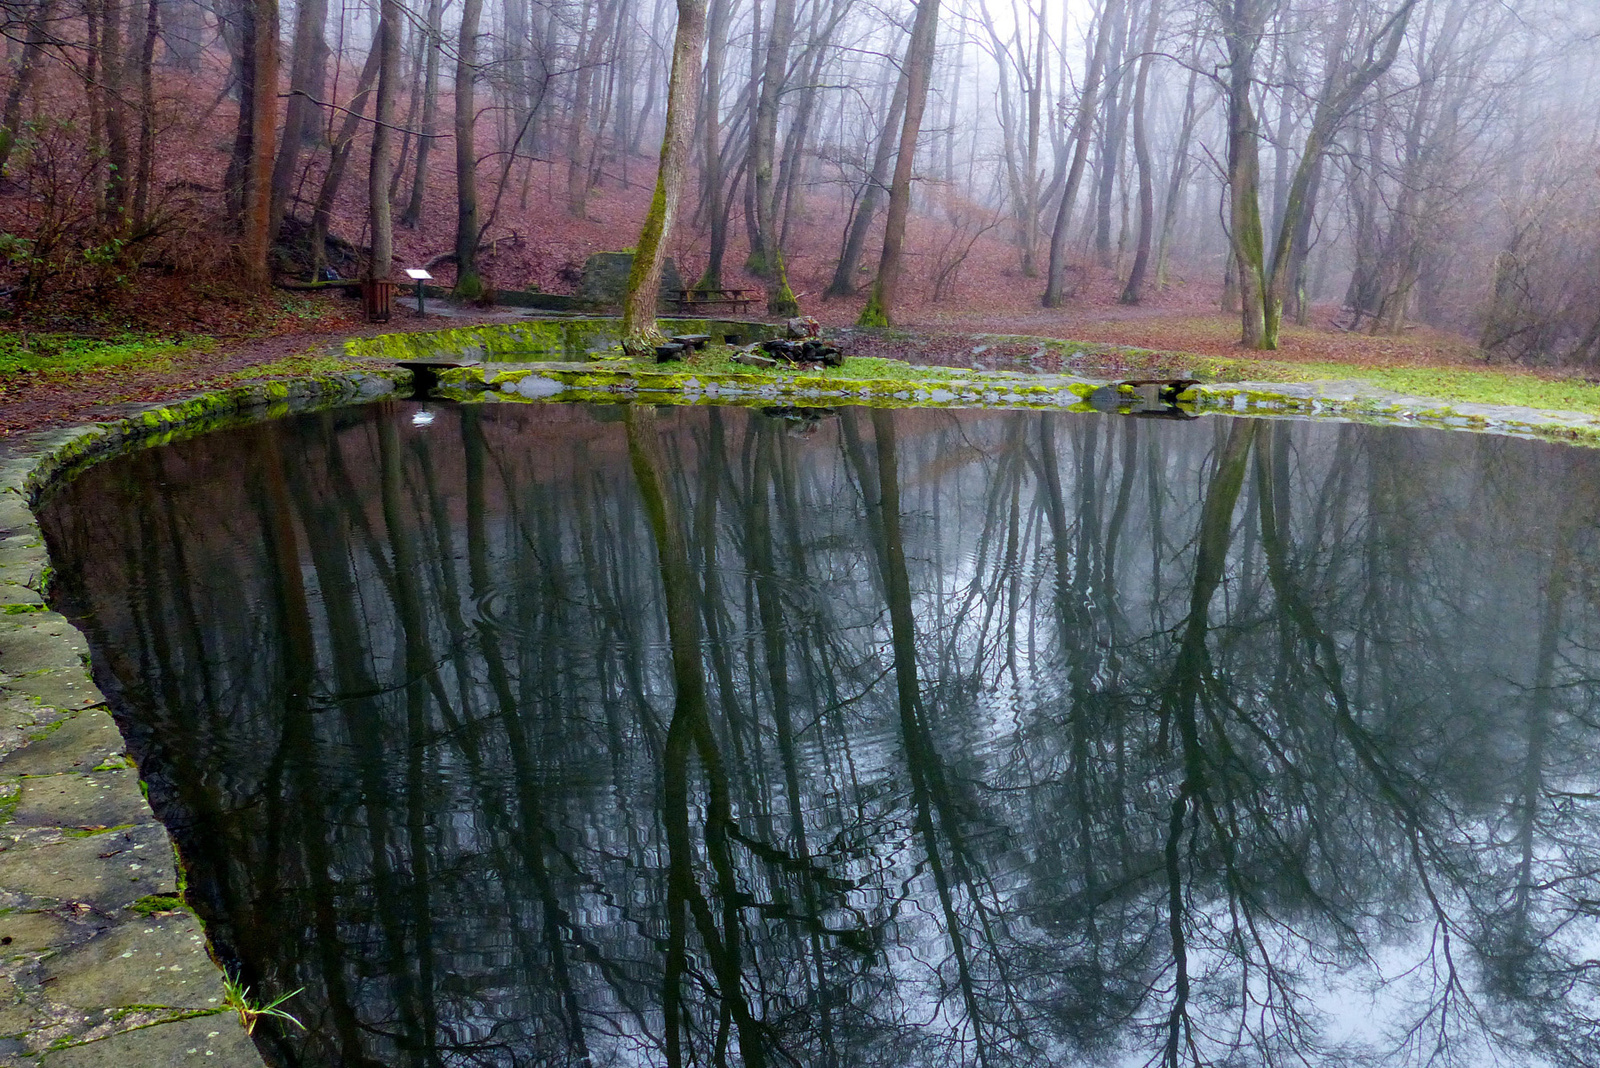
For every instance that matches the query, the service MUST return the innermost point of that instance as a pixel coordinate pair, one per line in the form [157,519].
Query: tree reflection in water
[567,735]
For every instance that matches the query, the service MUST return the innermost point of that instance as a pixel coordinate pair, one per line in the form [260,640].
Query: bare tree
[469,284]
[644,281]
[379,214]
[1055,276]
[1354,63]
[882,304]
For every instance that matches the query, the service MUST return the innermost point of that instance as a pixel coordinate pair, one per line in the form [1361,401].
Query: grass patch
[312,362]
[251,1010]
[66,355]
[1524,388]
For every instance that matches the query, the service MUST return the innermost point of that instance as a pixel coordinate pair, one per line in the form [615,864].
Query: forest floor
[54,380]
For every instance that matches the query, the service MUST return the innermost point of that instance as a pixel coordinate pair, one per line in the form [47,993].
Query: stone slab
[106,872]
[82,802]
[160,961]
[64,688]
[32,932]
[82,743]
[39,640]
[212,1041]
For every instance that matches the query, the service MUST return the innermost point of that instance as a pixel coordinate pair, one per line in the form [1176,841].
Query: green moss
[469,286]
[872,315]
[52,356]
[23,609]
[782,303]
[48,729]
[81,448]
[151,904]
[93,832]
[712,376]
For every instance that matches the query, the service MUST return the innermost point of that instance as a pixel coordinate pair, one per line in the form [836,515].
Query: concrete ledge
[1353,401]
[677,384]
[1361,402]
[101,964]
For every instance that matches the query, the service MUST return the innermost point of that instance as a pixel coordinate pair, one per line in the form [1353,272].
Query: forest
[1371,165]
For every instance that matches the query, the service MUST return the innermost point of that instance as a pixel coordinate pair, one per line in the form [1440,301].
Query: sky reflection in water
[561,734]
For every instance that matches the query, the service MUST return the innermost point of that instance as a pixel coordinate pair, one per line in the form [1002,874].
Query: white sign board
[417,274]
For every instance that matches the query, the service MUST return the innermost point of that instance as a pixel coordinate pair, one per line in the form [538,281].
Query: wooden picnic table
[735,300]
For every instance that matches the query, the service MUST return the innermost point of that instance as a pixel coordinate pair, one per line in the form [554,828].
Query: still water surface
[561,735]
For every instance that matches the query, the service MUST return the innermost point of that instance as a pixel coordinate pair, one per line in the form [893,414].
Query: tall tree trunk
[1055,275]
[1141,151]
[258,90]
[1177,180]
[579,175]
[752,94]
[331,181]
[27,71]
[1015,168]
[1298,298]
[430,112]
[144,175]
[378,212]
[1113,127]
[113,67]
[844,275]
[411,43]
[767,258]
[788,197]
[1036,90]
[518,95]
[712,184]
[1245,22]
[883,303]
[95,100]
[469,284]
[301,115]
[644,282]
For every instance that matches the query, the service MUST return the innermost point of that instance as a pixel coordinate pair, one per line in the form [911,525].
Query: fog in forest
[1383,164]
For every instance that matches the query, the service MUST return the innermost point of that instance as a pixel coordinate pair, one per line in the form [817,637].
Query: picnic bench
[737,301]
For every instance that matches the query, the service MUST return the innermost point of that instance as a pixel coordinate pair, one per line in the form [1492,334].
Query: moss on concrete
[537,339]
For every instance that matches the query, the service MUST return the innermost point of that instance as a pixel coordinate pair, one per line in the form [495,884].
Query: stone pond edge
[89,909]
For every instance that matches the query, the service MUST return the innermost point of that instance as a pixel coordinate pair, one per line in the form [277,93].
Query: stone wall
[605,278]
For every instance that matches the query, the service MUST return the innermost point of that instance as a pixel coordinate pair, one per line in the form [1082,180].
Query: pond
[582,734]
